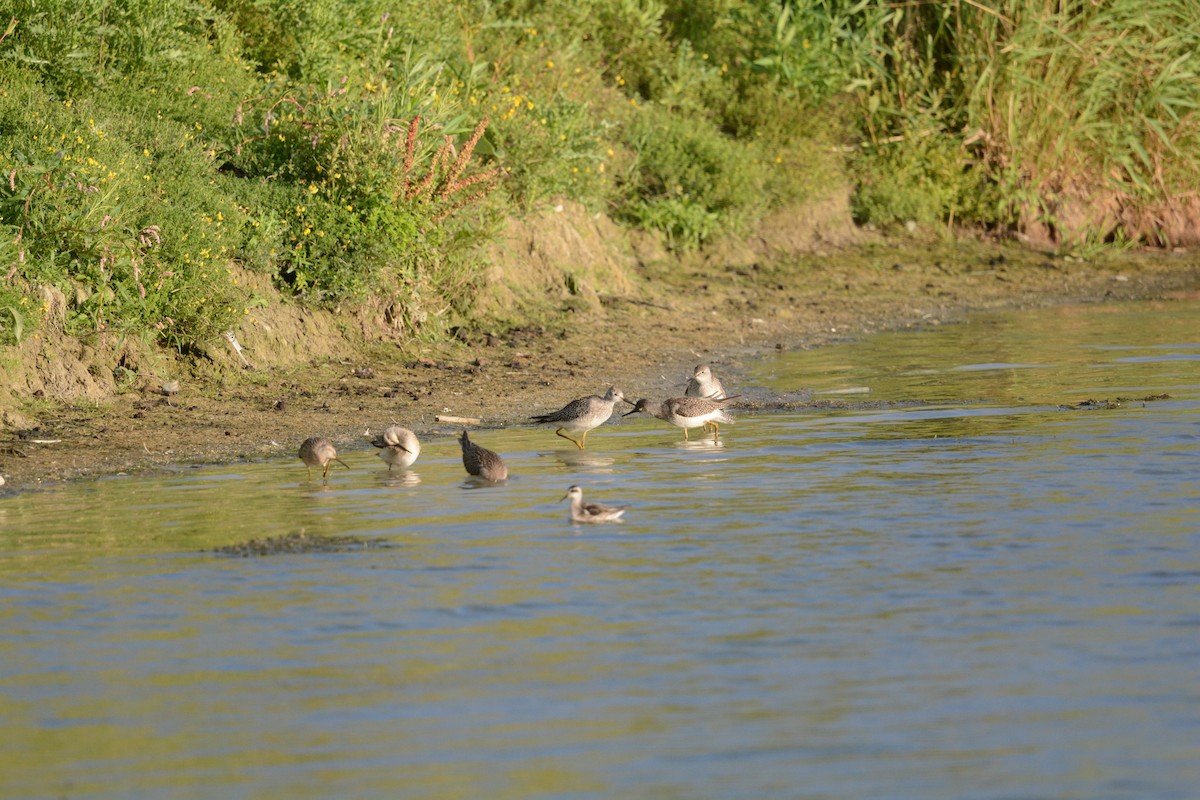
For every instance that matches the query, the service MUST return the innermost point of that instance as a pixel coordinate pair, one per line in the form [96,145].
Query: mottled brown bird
[582,415]
[481,462]
[318,451]
[687,412]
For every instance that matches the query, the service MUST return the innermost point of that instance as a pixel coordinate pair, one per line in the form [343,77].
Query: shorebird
[705,384]
[317,451]
[686,412]
[481,462]
[582,415]
[398,446]
[590,512]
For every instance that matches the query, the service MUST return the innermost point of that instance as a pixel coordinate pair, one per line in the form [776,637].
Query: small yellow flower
[549,64]
[146,152]
[312,188]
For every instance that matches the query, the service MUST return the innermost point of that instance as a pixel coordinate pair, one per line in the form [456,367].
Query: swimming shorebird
[318,451]
[582,415]
[398,446]
[686,412]
[481,462]
[590,512]
[705,384]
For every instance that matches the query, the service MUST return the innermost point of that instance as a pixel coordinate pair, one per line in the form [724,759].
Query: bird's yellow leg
[716,429]
[559,432]
[685,435]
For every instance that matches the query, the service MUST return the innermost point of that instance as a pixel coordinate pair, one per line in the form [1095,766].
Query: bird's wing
[572,410]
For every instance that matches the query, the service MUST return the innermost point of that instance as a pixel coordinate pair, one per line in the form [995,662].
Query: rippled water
[991,595]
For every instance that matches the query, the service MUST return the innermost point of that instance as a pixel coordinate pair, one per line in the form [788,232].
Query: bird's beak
[627,413]
[627,400]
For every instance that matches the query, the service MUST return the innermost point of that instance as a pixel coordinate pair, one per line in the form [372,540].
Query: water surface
[989,594]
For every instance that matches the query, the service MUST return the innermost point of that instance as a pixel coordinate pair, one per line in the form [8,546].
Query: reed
[1081,118]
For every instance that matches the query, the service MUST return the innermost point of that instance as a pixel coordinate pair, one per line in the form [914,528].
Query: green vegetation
[149,149]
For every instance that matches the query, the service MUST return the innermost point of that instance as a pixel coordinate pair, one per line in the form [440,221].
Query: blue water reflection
[992,595]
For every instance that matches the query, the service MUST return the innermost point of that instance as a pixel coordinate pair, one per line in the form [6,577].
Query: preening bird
[398,446]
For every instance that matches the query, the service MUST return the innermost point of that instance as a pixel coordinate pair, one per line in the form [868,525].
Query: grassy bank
[353,148]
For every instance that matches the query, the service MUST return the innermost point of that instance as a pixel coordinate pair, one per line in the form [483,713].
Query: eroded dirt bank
[644,333]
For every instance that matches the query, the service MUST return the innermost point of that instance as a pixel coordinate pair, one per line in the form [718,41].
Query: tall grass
[341,146]
[1072,117]
[1095,104]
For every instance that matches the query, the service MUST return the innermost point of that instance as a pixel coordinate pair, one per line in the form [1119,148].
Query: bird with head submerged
[687,412]
[398,447]
[481,462]
[582,415]
[317,451]
[591,512]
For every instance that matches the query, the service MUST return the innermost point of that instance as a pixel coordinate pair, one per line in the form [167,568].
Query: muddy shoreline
[645,342]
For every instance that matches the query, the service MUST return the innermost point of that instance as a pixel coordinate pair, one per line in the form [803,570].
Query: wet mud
[645,343]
